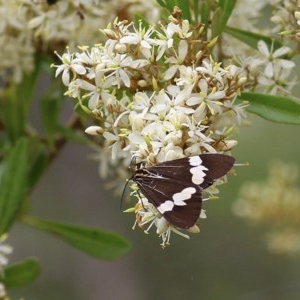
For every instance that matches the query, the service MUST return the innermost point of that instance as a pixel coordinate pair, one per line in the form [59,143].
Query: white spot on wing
[198,174]
[185,194]
[166,206]
[178,199]
[197,169]
[195,161]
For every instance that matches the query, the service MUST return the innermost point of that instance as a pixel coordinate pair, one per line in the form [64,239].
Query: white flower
[17,49]
[210,70]
[207,99]
[272,59]
[115,67]
[177,61]
[141,38]
[94,130]
[238,109]
[117,143]
[69,64]
[187,78]
[278,82]
[5,250]
[182,30]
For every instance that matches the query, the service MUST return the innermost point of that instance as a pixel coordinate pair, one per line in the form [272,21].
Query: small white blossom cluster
[269,71]
[31,26]
[15,42]
[272,69]
[274,203]
[151,95]
[155,93]
[250,8]
[283,15]
[5,250]
[77,22]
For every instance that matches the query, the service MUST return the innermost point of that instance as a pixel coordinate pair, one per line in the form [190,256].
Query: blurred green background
[227,260]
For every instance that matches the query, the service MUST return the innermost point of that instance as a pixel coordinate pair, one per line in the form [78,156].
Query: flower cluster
[15,42]
[155,93]
[270,71]
[276,204]
[31,26]
[5,250]
[283,15]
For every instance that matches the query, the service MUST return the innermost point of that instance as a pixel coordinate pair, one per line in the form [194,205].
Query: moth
[175,187]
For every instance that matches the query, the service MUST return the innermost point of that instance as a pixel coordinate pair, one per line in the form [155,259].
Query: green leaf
[227,8]
[95,242]
[216,22]
[38,166]
[12,113]
[185,8]
[273,108]
[13,183]
[221,16]
[205,15]
[251,38]
[169,4]
[21,273]
[50,109]
[27,87]
[15,102]
[196,11]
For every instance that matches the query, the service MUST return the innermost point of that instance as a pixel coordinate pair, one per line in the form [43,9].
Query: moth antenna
[123,193]
[132,169]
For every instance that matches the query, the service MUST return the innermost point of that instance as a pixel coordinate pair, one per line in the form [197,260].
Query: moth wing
[160,192]
[217,166]
[209,167]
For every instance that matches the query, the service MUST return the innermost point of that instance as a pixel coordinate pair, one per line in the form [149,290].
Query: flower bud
[94,130]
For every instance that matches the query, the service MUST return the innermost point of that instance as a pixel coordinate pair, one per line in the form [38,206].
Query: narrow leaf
[196,11]
[221,16]
[227,8]
[251,38]
[12,113]
[50,109]
[13,184]
[15,102]
[186,13]
[204,14]
[169,4]
[273,108]
[21,273]
[95,242]
[38,167]
[216,22]
[28,85]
